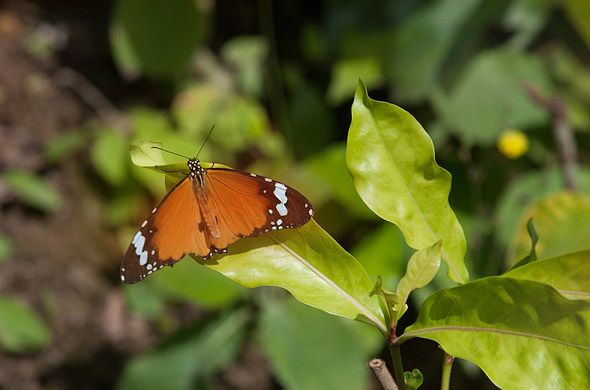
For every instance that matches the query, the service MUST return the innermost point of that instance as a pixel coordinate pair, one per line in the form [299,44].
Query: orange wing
[205,217]
[246,205]
[174,229]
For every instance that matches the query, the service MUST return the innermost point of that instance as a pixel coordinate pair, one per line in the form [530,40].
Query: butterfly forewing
[206,212]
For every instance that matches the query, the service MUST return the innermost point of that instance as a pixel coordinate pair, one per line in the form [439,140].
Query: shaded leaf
[63,145]
[299,361]
[247,54]
[21,329]
[179,365]
[155,37]
[523,334]
[578,12]
[480,117]
[569,274]
[391,159]
[32,189]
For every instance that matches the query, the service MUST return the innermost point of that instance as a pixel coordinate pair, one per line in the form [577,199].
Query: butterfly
[208,210]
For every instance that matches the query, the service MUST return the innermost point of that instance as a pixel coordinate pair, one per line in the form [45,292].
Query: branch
[383,375]
[562,131]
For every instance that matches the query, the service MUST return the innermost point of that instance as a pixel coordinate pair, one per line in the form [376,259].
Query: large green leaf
[298,360]
[308,263]
[194,357]
[155,37]
[523,334]
[21,330]
[421,44]
[391,159]
[562,222]
[490,96]
[569,274]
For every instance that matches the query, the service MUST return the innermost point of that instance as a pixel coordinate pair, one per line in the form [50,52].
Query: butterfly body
[207,211]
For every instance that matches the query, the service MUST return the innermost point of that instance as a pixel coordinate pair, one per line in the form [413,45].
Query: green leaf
[194,283]
[391,159]
[523,334]
[309,264]
[345,71]
[320,351]
[144,298]
[413,379]
[5,247]
[21,330]
[562,221]
[64,145]
[155,37]
[194,357]
[422,43]
[526,18]
[578,12]
[478,117]
[146,154]
[532,256]
[422,268]
[109,156]
[247,54]
[569,274]
[32,189]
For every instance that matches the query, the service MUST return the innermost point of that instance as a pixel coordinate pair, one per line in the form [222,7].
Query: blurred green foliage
[279,99]
[21,329]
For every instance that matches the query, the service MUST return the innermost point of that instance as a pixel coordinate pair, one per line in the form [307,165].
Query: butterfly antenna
[171,152]
[206,139]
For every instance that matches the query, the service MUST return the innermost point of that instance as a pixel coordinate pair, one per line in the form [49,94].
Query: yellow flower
[513,143]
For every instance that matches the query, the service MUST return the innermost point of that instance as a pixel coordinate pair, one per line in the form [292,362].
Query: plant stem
[382,374]
[446,371]
[398,367]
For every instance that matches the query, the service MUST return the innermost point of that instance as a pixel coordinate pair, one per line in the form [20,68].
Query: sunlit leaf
[181,364]
[21,329]
[306,358]
[422,268]
[562,222]
[523,334]
[569,274]
[32,189]
[146,154]
[391,159]
[309,264]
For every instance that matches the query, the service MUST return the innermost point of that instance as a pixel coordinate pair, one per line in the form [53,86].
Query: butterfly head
[195,170]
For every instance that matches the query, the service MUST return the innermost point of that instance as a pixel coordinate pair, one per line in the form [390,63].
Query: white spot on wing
[253,174]
[154,210]
[279,221]
[282,209]
[139,242]
[144,223]
[122,278]
[267,179]
[137,235]
[149,267]
[310,212]
[143,258]
[280,193]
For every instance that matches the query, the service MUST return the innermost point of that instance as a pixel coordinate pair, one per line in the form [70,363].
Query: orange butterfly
[207,211]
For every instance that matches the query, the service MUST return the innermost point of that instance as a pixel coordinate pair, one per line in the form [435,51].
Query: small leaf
[32,189]
[532,256]
[413,379]
[309,264]
[523,334]
[21,330]
[299,362]
[196,356]
[63,145]
[109,155]
[146,154]
[391,159]
[5,247]
[569,274]
[422,268]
